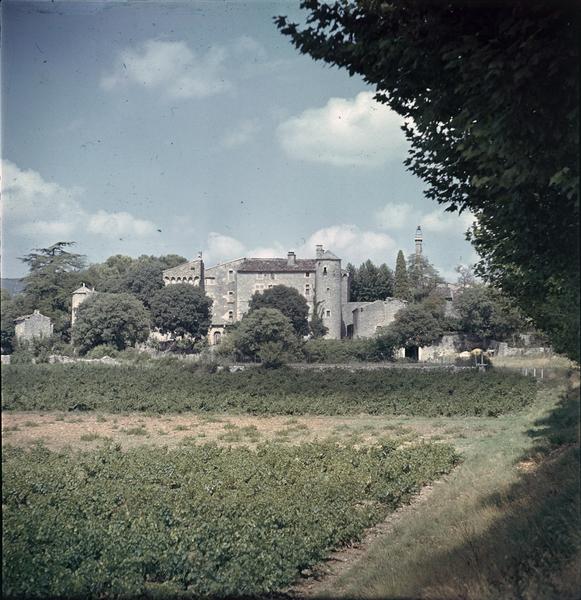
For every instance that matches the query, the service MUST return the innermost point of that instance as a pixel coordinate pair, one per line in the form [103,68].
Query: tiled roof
[276,265]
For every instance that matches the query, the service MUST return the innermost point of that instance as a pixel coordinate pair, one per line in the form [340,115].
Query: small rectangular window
[230,315]
[230,275]
[307,274]
[328,313]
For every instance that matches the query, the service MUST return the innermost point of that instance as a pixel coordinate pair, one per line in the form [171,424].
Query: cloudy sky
[158,127]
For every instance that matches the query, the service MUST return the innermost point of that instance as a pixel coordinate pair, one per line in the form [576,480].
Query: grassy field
[506,523]
[503,524]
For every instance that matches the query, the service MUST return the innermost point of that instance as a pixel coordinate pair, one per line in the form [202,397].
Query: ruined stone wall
[368,317]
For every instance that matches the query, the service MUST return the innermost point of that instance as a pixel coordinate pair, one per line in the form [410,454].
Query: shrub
[101,351]
[267,332]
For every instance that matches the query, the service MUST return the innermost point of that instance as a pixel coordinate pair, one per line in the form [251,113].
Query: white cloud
[221,247]
[439,221]
[171,67]
[44,210]
[118,224]
[345,132]
[241,134]
[348,242]
[396,216]
[351,244]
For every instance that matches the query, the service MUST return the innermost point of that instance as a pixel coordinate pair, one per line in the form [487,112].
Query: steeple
[418,239]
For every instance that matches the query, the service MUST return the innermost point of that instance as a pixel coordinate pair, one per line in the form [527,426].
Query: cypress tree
[401,288]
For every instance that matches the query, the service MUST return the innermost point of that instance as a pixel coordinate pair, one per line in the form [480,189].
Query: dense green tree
[265,334]
[290,303]
[487,313]
[419,324]
[54,274]
[118,320]
[141,277]
[369,282]
[182,309]
[8,311]
[401,284]
[422,276]
[317,327]
[489,92]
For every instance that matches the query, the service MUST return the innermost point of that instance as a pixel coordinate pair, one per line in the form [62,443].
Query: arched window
[217,337]
[324,270]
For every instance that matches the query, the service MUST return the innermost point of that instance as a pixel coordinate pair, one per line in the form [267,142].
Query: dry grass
[131,430]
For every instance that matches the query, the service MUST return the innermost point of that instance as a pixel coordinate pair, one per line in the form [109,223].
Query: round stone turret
[328,278]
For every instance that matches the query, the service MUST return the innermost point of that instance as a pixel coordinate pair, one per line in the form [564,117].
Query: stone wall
[220,285]
[249,283]
[33,326]
[368,317]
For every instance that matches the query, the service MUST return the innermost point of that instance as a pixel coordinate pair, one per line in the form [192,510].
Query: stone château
[320,280]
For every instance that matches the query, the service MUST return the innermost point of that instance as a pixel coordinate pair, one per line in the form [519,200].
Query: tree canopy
[420,324]
[401,284]
[267,335]
[290,303]
[423,277]
[370,282]
[489,93]
[54,274]
[487,313]
[117,320]
[181,309]
[141,277]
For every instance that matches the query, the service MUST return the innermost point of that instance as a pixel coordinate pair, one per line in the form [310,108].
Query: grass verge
[505,525]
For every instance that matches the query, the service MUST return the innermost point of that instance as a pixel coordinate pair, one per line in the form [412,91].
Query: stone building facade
[32,326]
[320,280]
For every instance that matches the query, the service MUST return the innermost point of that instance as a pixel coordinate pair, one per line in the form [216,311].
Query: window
[307,290]
[230,296]
[272,276]
[328,313]
[230,315]
[307,274]
[231,275]
[328,290]
[324,270]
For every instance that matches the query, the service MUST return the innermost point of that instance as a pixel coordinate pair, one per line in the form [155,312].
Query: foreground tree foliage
[288,301]
[117,320]
[492,91]
[181,310]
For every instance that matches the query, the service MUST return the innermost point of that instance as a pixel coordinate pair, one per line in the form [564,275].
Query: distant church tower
[418,239]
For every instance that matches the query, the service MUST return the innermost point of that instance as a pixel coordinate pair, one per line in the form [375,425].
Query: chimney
[319,251]
[291,259]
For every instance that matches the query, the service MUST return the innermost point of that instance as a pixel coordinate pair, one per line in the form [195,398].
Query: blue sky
[157,128]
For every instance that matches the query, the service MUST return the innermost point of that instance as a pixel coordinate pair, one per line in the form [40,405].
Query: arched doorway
[217,337]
